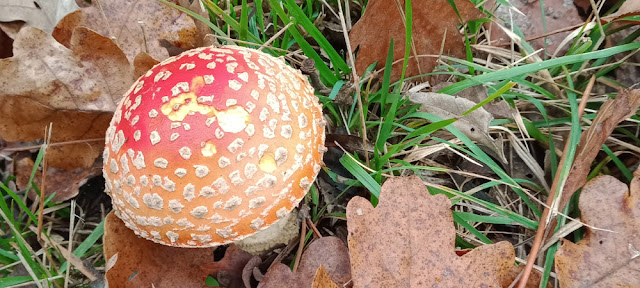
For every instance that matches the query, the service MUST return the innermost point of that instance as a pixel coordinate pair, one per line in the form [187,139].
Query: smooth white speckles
[304,183]
[175,206]
[165,99]
[155,137]
[255,94]
[179,88]
[286,131]
[295,105]
[273,103]
[304,136]
[153,113]
[261,149]
[138,162]
[240,156]
[281,155]
[231,102]
[282,212]
[235,85]
[302,121]
[205,56]
[189,192]
[187,66]
[169,185]
[209,121]
[322,149]
[235,145]
[144,180]
[223,162]
[264,113]
[251,129]
[231,67]
[153,201]
[299,148]
[174,136]
[257,202]
[131,180]
[267,181]
[175,125]
[138,87]
[219,134]
[256,224]
[222,185]
[201,170]
[207,192]
[136,135]
[236,180]
[135,120]
[161,163]
[186,126]
[208,79]
[173,236]
[124,162]
[268,133]
[252,151]
[185,153]
[113,166]
[250,106]
[211,65]
[232,203]
[244,76]
[163,74]
[249,170]
[118,141]
[199,212]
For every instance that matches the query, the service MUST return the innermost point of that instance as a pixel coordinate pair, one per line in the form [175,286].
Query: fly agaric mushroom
[212,146]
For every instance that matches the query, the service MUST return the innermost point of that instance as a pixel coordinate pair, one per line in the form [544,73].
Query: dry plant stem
[303,235]
[275,36]
[27,148]
[356,79]
[316,233]
[44,178]
[546,214]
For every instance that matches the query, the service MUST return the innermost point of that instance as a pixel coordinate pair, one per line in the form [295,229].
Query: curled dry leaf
[611,113]
[136,262]
[433,21]
[628,8]
[136,26]
[477,94]
[474,125]
[409,240]
[43,15]
[66,184]
[605,258]
[76,89]
[327,252]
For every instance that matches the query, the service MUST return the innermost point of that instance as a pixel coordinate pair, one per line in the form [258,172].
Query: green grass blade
[354,168]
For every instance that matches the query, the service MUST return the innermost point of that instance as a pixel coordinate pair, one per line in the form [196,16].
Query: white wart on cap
[211,146]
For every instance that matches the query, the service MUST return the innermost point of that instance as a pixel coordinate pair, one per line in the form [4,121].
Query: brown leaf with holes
[328,252]
[137,26]
[409,240]
[610,114]
[136,262]
[432,19]
[66,184]
[604,258]
[76,89]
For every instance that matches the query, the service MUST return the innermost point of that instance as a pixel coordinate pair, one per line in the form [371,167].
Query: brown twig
[47,141]
[546,217]
[316,233]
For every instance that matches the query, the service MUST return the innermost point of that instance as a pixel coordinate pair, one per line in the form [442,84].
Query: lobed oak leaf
[604,258]
[409,240]
[433,21]
[43,15]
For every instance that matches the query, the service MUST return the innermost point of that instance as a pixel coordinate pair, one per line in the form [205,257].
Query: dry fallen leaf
[76,89]
[534,279]
[136,26]
[66,184]
[475,124]
[477,94]
[323,280]
[136,262]
[409,240]
[327,252]
[228,271]
[610,114]
[431,21]
[605,258]
[628,8]
[40,14]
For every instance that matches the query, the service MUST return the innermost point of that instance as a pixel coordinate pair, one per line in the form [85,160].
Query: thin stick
[47,140]
[275,36]
[356,79]
[316,233]
[546,214]
[303,234]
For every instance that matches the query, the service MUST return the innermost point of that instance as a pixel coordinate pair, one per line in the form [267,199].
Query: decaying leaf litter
[485,209]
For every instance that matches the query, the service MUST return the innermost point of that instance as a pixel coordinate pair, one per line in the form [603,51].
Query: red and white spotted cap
[213,145]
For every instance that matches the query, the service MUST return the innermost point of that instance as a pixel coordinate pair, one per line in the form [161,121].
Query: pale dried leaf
[137,262]
[41,14]
[477,94]
[143,63]
[605,258]
[474,125]
[327,252]
[409,240]
[628,8]
[136,26]
[382,21]
[76,89]
[323,280]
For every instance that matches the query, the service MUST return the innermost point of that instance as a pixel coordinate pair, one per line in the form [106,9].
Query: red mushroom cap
[212,146]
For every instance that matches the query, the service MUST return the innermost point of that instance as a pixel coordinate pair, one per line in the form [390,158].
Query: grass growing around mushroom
[393,127]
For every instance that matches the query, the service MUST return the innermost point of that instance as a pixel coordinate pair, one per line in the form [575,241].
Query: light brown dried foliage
[431,21]
[610,114]
[605,258]
[408,241]
[136,26]
[76,89]
[328,252]
[136,262]
[228,271]
[628,8]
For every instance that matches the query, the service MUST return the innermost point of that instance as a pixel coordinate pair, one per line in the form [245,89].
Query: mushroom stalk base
[280,232]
